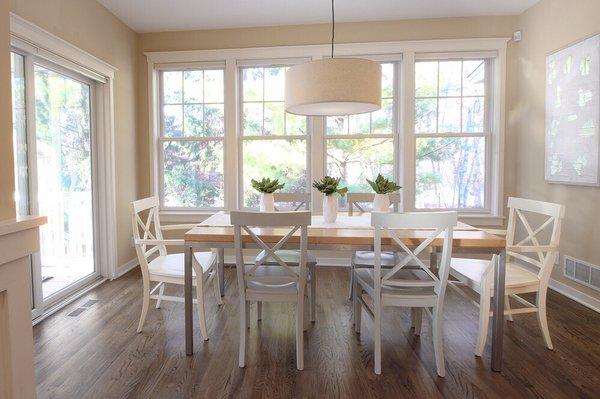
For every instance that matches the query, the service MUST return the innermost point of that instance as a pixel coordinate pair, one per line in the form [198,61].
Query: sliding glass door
[54,173]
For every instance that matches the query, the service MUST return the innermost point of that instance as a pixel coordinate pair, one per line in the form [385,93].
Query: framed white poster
[573,114]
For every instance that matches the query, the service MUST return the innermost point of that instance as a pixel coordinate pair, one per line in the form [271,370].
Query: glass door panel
[64,179]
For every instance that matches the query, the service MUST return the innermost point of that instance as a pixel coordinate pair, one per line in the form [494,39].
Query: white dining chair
[292,257]
[406,286]
[365,259]
[478,275]
[163,268]
[283,282]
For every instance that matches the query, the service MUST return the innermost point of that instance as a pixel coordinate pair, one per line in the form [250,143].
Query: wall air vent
[583,272]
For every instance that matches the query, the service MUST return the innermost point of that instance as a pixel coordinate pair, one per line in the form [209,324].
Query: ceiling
[173,15]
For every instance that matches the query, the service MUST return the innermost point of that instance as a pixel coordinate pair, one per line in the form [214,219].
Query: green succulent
[329,185]
[381,185]
[267,185]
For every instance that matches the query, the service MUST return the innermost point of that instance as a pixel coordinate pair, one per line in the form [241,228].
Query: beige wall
[550,25]
[441,28]
[89,26]
[7,182]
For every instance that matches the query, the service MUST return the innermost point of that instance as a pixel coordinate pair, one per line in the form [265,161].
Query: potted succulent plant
[267,187]
[382,187]
[329,186]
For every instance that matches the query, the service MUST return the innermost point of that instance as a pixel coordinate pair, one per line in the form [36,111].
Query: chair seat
[365,279]
[289,256]
[472,270]
[367,258]
[272,288]
[172,265]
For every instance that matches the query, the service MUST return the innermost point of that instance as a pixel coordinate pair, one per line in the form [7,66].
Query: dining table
[347,233]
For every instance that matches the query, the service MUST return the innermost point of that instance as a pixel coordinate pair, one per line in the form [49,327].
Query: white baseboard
[578,296]
[121,270]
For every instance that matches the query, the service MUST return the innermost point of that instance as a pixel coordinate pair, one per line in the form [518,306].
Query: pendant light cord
[332,26]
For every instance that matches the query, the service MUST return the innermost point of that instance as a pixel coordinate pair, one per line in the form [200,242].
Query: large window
[273,142]
[191,138]
[451,133]
[359,147]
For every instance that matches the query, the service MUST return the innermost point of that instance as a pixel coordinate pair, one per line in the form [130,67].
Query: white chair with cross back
[478,275]
[365,259]
[271,283]
[293,201]
[417,288]
[163,268]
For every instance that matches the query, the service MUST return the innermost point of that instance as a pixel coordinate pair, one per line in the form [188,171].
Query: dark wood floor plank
[98,354]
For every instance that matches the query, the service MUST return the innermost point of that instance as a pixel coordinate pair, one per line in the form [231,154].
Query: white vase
[330,208]
[267,204]
[381,203]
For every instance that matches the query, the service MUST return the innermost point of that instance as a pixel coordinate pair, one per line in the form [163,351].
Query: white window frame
[487,134]
[494,48]
[160,69]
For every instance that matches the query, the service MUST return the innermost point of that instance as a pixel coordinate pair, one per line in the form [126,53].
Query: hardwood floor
[97,354]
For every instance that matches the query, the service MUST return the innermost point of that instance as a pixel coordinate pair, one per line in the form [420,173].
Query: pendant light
[333,86]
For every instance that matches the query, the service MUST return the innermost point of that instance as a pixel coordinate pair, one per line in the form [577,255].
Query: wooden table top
[347,231]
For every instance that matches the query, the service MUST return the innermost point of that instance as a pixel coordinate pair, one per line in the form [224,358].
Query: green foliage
[381,185]
[267,185]
[329,185]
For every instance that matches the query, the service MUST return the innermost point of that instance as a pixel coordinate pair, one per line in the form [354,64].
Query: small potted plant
[266,187]
[329,186]
[382,187]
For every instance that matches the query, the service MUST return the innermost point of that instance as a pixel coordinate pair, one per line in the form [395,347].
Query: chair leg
[508,316]
[247,315]
[351,287]
[357,312]
[145,304]
[438,341]
[484,320]
[313,293]
[217,286]
[377,338]
[258,311]
[542,319]
[161,291]
[417,319]
[201,312]
[300,334]
[243,332]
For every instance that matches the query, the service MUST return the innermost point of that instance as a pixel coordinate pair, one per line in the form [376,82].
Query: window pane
[382,120]
[274,116]
[19,134]
[360,124]
[274,84]
[281,159]
[172,87]
[449,115]
[252,82]
[252,119]
[450,172]
[387,80]
[173,120]
[426,74]
[193,120]
[337,125]
[295,124]
[450,74]
[213,86]
[425,115]
[473,78]
[355,160]
[472,114]
[193,174]
[214,116]
[192,86]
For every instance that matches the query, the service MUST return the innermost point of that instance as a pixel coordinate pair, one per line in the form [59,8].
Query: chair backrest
[246,221]
[521,211]
[391,225]
[146,228]
[296,200]
[356,199]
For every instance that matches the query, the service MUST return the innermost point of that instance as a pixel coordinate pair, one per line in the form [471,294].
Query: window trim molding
[409,50]
[38,42]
